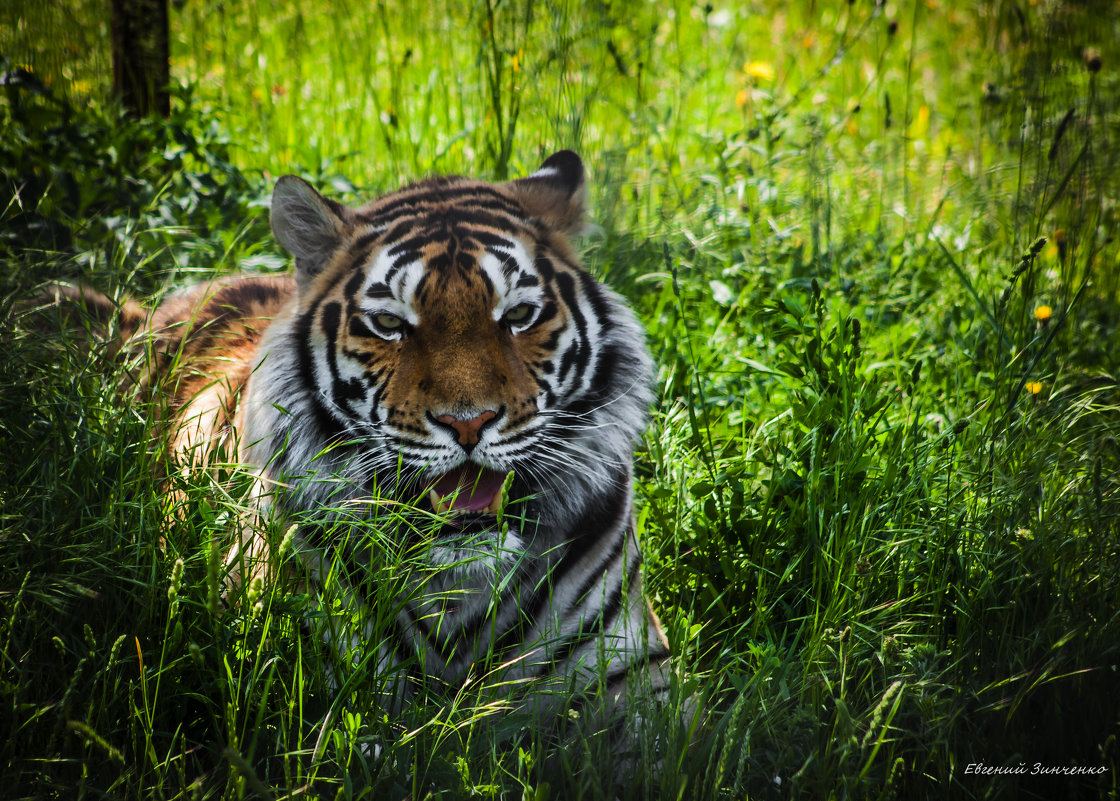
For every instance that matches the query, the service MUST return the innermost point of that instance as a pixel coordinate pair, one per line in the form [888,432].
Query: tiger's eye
[389,322]
[519,313]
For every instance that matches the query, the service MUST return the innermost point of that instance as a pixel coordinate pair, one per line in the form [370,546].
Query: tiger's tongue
[478,486]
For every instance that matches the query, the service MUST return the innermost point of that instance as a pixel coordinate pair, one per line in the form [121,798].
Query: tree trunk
[141,56]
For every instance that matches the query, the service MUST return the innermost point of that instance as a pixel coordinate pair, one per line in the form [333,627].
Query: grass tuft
[880,503]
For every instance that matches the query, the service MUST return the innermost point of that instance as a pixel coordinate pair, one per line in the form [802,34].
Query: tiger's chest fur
[439,348]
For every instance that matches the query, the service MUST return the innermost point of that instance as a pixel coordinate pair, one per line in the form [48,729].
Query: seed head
[1092,58]
[213,566]
[286,542]
[256,589]
[891,647]
[176,579]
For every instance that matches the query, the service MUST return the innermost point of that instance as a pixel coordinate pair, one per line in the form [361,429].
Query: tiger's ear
[308,225]
[556,193]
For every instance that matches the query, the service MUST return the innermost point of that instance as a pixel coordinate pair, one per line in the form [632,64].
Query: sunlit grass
[873,248]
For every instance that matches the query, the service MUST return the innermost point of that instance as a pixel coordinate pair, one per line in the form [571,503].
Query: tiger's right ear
[556,193]
[308,225]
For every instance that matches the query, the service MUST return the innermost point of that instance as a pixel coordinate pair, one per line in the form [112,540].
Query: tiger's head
[442,337]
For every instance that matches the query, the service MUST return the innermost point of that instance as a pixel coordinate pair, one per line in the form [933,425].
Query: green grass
[880,500]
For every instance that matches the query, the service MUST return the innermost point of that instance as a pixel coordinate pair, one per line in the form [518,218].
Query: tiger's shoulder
[213,328]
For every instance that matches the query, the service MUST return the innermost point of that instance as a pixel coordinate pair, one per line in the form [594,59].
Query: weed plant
[874,248]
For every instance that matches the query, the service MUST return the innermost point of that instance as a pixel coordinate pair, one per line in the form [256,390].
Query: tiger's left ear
[308,225]
[556,193]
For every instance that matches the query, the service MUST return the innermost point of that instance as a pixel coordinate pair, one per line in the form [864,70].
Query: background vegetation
[873,245]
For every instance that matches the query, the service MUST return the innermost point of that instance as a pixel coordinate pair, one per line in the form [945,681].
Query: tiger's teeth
[445,504]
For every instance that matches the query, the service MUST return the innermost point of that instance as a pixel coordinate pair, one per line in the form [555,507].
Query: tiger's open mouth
[471,489]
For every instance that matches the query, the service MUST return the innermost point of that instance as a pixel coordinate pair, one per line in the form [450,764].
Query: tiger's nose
[467,430]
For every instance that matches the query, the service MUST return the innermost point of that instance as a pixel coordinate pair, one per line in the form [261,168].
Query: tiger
[440,347]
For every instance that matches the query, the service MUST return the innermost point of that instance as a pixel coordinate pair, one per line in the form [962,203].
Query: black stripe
[472,627]
[606,368]
[379,291]
[658,654]
[544,266]
[577,356]
[366,240]
[572,266]
[400,229]
[330,430]
[433,224]
[593,291]
[588,530]
[360,328]
[420,198]
[440,263]
[411,245]
[402,645]
[420,446]
[510,267]
[375,402]
[584,634]
[434,192]
[469,220]
[403,259]
[548,311]
[595,575]
[613,361]
[342,390]
[355,282]
[599,516]
[568,361]
[492,241]
[519,436]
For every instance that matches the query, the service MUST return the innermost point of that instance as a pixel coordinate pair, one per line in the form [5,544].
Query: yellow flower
[1042,313]
[1034,387]
[742,97]
[762,70]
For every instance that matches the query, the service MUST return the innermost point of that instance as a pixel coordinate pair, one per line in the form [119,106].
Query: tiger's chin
[476,545]
[475,536]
